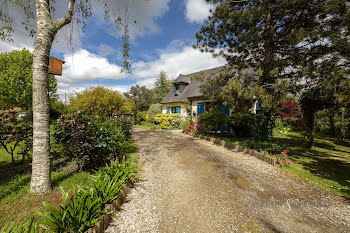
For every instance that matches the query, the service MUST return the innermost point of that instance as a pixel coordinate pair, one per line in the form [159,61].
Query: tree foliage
[141,96]
[297,39]
[100,101]
[16,79]
[162,86]
[14,133]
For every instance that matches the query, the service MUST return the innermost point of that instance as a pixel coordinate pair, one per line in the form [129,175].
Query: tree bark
[268,43]
[342,124]
[46,31]
[310,123]
[331,122]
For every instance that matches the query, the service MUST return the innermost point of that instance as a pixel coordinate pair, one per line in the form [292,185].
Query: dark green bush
[268,146]
[141,116]
[91,142]
[242,124]
[264,125]
[210,121]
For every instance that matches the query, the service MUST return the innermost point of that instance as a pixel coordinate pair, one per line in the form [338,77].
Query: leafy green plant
[242,124]
[153,110]
[142,116]
[78,212]
[185,124]
[264,125]
[211,121]
[93,142]
[106,189]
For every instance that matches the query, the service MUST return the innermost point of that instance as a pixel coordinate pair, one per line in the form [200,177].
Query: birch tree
[40,11]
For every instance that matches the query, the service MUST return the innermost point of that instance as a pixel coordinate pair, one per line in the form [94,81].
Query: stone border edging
[104,222]
[236,148]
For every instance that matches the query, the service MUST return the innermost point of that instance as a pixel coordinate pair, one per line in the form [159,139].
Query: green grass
[327,165]
[17,206]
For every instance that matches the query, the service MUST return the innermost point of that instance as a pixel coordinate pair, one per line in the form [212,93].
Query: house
[186,98]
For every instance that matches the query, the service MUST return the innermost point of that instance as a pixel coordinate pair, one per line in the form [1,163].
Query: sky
[161,39]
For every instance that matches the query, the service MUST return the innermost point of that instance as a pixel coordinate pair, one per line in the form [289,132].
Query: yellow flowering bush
[168,120]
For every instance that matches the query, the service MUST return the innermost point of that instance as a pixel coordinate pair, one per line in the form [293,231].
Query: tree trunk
[342,124]
[331,122]
[268,43]
[40,180]
[310,130]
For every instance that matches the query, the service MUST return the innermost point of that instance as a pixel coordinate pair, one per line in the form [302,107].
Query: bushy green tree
[161,87]
[100,101]
[141,96]
[16,79]
[298,39]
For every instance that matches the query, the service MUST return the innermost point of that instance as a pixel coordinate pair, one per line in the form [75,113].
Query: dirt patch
[192,185]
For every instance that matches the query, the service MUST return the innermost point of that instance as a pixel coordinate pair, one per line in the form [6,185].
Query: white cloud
[197,10]
[184,61]
[85,66]
[105,50]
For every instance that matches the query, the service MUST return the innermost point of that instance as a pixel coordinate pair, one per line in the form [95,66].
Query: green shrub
[264,125]
[78,213]
[141,116]
[91,142]
[242,124]
[185,124]
[268,146]
[211,121]
[153,110]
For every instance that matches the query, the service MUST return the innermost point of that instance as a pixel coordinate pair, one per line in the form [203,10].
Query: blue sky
[161,39]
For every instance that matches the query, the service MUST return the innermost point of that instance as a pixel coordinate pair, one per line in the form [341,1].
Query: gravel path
[191,185]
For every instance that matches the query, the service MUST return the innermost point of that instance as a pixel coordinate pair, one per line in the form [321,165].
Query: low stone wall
[112,209]
[237,148]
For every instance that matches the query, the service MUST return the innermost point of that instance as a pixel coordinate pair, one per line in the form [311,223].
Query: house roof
[193,87]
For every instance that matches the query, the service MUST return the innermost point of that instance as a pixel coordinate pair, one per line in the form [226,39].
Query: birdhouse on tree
[55,66]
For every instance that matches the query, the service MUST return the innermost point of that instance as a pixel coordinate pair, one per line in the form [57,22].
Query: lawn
[326,165]
[17,206]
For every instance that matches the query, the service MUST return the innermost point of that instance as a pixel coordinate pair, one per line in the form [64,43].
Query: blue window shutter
[256,105]
[200,108]
[174,88]
[167,109]
[178,109]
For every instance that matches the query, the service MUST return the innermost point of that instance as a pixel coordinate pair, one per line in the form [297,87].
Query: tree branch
[67,18]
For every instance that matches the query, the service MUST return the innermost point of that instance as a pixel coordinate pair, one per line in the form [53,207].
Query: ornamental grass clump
[85,207]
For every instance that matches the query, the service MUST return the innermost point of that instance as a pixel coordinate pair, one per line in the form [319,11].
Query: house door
[226,111]
[200,108]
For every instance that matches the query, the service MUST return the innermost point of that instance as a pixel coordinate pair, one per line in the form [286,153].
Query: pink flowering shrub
[281,158]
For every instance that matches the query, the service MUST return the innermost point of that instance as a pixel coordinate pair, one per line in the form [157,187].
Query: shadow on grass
[14,186]
[320,161]
[9,171]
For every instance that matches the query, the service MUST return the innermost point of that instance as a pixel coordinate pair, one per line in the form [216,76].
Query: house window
[176,88]
[168,110]
[176,109]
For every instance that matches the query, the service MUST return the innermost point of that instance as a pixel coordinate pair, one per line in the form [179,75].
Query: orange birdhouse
[55,66]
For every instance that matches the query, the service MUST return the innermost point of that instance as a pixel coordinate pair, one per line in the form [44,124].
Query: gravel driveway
[191,185]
